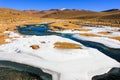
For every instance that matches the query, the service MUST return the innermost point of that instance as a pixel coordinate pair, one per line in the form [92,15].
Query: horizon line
[59,9]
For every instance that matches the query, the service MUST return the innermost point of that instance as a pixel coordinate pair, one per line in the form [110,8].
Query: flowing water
[39,31]
[43,29]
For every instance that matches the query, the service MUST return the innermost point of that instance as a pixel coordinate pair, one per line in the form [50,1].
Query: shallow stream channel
[25,72]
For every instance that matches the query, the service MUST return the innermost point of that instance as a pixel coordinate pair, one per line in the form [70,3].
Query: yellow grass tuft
[2,38]
[85,30]
[35,47]
[116,38]
[66,45]
[105,33]
[64,25]
[89,35]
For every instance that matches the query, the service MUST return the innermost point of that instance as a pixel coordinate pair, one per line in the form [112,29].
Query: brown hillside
[38,13]
[72,19]
[10,18]
[67,14]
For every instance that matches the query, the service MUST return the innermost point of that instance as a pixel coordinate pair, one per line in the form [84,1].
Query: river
[43,29]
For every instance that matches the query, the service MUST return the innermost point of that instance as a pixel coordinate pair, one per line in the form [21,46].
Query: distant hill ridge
[74,13]
[111,10]
[63,14]
[108,17]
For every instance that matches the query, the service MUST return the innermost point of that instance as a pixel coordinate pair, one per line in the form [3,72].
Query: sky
[94,5]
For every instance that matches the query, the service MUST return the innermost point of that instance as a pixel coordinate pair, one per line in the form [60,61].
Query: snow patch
[103,40]
[62,64]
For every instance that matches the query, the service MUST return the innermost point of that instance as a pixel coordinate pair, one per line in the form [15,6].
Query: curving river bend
[42,30]
[36,30]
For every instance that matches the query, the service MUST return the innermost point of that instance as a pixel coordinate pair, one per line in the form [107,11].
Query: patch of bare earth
[64,25]
[105,33]
[11,26]
[2,38]
[89,35]
[116,30]
[116,38]
[35,47]
[66,45]
[84,30]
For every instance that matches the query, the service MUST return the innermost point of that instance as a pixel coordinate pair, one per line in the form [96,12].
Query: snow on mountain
[63,9]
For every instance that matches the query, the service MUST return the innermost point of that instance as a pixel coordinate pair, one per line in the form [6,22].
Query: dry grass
[116,38]
[89,35]
[66,45]
[12,26]
[35,47]
[64,25]
[105,33]
[67,14]
[10,18]
[2,38]
[88,17]
[97,22]
[84,30]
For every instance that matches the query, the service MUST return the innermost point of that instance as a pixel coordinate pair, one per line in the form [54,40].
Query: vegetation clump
[67,45]
[2,38]
[35,47]
[89,35]
[116,38]
[105,33]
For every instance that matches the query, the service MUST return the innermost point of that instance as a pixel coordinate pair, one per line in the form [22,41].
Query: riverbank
[64,26]
[11,26]
[51,60]
[12,74]
[19,49]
